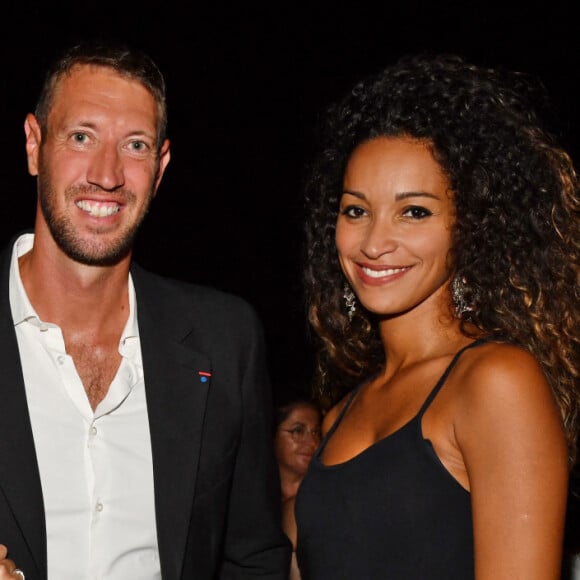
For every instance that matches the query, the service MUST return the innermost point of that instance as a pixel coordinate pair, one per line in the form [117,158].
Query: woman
[442,284]
[296,438]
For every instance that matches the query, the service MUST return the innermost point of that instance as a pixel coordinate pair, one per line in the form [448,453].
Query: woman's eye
[299,430]
[417,212]
[353,211]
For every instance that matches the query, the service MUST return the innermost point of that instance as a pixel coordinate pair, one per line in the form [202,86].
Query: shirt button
[60,359]
[99,507]
[93,430]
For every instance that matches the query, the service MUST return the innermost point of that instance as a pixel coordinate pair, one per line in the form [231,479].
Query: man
[135,431]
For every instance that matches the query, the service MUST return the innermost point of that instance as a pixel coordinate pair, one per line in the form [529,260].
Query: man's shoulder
[174,293]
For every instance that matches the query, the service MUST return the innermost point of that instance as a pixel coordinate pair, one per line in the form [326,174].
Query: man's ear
[33,138]
[164,157]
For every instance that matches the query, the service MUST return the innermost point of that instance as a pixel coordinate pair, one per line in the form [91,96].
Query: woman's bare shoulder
[502,388]
[501,368]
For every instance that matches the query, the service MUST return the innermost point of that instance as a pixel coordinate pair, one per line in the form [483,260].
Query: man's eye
[79,137]
[138,145]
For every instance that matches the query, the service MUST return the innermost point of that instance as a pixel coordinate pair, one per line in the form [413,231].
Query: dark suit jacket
[217,494]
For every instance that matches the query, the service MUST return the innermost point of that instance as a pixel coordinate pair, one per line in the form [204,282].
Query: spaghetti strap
[445,374]
[341,414]
[426,404]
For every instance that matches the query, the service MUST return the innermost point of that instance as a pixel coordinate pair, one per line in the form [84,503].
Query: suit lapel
[19,475]
[176,383]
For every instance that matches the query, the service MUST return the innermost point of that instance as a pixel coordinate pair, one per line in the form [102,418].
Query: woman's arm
[509,431]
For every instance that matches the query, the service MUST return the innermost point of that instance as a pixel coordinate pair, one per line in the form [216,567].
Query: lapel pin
[203,376]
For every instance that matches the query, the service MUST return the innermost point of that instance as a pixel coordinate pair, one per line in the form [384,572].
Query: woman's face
[393,232]
[297,437]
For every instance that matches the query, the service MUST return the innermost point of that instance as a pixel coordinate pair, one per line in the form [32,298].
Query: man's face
[98,166]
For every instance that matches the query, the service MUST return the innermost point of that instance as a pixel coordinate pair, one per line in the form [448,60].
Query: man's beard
[72,244]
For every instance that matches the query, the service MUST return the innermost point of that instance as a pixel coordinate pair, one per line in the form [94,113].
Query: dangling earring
[349,301]
[459,291]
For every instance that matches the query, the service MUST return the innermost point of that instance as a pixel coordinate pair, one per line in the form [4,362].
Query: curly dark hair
[515,241]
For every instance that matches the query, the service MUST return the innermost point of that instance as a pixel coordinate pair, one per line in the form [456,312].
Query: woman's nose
[380,239]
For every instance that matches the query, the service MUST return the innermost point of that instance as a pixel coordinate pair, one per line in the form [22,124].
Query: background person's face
[297,437]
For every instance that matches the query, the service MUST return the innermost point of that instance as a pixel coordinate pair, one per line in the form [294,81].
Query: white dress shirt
[95,467]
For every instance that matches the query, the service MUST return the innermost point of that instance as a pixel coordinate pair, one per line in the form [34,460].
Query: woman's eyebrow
[398,196]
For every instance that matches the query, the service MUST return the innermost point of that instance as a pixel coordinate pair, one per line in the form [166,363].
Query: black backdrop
[246,84]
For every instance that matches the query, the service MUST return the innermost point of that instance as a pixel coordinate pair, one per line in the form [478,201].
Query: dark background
[246,84]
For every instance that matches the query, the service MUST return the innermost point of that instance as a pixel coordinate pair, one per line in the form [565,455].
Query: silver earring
[349,301]
[459,291]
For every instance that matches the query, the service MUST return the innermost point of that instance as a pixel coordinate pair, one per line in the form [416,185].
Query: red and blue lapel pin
[203,376]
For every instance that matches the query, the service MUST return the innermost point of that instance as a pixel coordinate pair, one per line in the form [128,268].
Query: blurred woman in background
[296,439]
